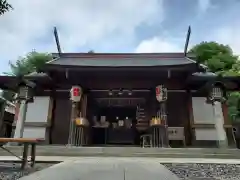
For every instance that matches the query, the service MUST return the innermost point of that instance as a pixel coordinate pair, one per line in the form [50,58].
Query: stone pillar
[219,122]
[21,117]
[2,111]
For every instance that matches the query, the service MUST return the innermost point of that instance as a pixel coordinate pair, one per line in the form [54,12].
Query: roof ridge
[119,55]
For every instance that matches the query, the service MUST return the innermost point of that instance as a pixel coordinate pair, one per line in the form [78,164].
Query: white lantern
[216,93]
[75,93]
[161,93]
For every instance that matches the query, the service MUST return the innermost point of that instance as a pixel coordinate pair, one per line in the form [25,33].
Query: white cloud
[204,5]
[228,35]
[158,44]
[79,22]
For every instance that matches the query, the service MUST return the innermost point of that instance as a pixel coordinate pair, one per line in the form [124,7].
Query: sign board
[176,133]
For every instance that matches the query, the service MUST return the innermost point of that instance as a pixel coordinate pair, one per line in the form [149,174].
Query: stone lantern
[25,91]
[216,93]
[24,96]
[217,96]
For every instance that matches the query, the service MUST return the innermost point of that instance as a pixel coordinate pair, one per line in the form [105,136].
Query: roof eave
[58,66]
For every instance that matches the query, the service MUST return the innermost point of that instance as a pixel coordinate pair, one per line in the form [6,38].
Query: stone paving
[105,169]
[85,168]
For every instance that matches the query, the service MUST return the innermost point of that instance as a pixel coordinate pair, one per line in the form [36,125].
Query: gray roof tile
[121,62]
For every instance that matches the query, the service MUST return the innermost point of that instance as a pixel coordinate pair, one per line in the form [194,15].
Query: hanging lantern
[161,93]
[76,93]
[216,93]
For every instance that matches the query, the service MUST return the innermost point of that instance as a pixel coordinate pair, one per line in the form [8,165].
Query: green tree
[233,97]
[220,59]
[217,57]
[4,6]
[28,64]
[25,65]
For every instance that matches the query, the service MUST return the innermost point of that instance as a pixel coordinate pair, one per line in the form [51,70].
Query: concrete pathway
[119,168]
[105,169]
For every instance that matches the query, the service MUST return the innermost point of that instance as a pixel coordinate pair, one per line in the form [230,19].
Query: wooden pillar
[225,114]
[72,127]
[49,121]
[192,136]
[227,125]
[84,133]
[84,106]
[52,116]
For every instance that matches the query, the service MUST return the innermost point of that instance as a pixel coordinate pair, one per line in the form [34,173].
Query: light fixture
[216,93]
[25,91]
[76,93]
[120,92]
[129,92]
[110,93]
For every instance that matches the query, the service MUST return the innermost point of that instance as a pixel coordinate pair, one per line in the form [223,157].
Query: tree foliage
[217,57]
[28,64]
[91,52]
[220,59]
[4,6]
[25,65]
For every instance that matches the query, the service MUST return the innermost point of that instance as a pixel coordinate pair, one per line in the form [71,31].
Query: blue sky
[116,26]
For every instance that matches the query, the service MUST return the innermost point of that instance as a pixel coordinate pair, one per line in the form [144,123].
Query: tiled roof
[122,60]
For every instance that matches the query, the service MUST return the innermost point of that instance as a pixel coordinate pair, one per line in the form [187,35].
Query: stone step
[129,152]
[142,128]
[142,125]
[143,120]
[158,155]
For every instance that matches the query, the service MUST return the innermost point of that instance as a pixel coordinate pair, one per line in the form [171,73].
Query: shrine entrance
[115,118]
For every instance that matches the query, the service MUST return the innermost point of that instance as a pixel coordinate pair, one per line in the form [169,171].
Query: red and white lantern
[75,93]
[161,93]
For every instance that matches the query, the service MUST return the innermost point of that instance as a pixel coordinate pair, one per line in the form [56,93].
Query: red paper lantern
[161,93]
[76,93]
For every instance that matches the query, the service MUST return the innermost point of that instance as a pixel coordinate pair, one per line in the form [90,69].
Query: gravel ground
[205,171]
[11,171]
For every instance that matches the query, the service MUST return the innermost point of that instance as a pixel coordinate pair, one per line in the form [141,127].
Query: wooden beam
[203,126]
[34,124]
